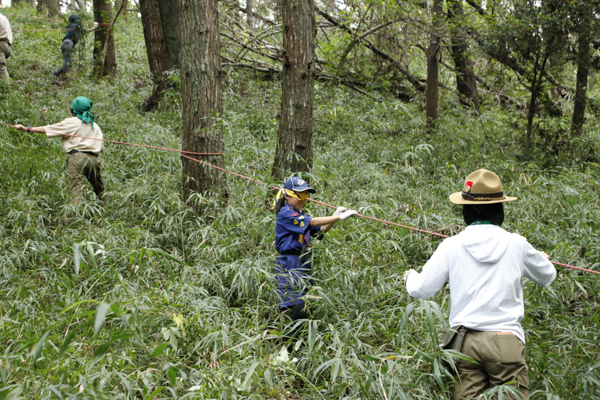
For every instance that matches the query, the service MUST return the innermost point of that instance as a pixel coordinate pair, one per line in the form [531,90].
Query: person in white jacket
[484,266]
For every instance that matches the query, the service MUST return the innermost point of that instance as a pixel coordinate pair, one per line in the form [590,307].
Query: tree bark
[583,69]
[155,49]
[250,14]
[169,20]
[431,91]
[466,83]
[201,96]
[294,139]
[103,14]
[52,6]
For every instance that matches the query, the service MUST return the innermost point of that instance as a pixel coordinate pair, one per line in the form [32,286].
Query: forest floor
[147,298]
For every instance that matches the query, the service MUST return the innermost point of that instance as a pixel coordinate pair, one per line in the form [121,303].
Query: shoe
[57,73]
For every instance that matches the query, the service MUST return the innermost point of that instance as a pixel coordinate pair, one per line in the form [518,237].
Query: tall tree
[52,6]
[466,84]
[156,50]
[201,96]
[583,70]
[294,139]
[169,20]
[432,53]
[105,58]
[250,13]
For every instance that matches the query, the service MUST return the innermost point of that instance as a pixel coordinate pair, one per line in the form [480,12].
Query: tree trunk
[155,49]
[103,14]
[125,5]
[169,20]
[52,6]
[431,92]
[82,5]
[466,83]
[294,140]
[583,69]
[201,96]
[539,71]
[250,14]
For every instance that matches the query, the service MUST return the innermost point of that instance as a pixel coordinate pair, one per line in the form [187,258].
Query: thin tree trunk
[169,20]
[466,83]
[155,49]
[583,69]
[104,63]
[294,140]
[431,91]
[250,13]
[539,70]
[201,96]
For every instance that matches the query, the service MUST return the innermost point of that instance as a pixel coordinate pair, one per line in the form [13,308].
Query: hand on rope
[347,214]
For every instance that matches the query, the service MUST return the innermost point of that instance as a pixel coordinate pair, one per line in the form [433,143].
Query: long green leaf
[100,317]
[38,347]
[65,344]
[77,258]
[100,351]
[155,393]
[159,349]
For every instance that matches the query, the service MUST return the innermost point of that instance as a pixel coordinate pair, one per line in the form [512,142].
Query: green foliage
[146,299]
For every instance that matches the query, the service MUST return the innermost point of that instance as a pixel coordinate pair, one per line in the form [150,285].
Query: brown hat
[481,187]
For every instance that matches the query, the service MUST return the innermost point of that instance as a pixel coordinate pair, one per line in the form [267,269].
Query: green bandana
[81,108]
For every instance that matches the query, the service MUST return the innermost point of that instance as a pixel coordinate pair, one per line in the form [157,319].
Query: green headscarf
[81,108]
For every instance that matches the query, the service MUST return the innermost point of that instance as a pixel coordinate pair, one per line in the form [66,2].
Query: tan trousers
[84,165]
[501,359]
[5,52]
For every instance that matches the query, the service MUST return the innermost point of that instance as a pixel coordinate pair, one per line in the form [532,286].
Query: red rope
[314,201]
[131,144]
[367,217]
[24,16]
[57,29]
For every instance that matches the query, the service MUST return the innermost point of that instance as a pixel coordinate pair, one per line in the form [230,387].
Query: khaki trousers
[5,52]
[500,358]
[84,165]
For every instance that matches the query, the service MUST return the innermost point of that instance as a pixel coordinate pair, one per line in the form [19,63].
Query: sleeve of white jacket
[432,278]
[537,268]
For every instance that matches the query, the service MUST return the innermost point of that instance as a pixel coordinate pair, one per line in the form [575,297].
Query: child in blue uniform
[293,233]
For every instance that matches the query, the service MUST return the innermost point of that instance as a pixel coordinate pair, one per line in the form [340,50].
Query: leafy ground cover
[145,298]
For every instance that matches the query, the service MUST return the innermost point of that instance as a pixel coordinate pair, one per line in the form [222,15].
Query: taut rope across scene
[183,154]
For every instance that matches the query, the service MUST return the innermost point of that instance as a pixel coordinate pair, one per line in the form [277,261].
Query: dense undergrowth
[144,298]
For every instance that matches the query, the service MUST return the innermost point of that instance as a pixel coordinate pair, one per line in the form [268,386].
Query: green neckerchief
[483,223]
[81,108]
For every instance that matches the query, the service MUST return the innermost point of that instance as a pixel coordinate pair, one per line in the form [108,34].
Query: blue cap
[297,184]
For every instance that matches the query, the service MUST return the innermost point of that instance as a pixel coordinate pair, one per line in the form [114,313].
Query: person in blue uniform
[293,233]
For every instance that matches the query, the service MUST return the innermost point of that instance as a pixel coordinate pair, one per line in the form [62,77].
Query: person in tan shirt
[6,41]
[83,146]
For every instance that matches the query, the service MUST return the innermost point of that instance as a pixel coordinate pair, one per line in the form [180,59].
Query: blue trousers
[293,279]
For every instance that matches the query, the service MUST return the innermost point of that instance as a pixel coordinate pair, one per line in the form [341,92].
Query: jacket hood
[486,243]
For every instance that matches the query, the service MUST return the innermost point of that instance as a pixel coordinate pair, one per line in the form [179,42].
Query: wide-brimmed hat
[481,187]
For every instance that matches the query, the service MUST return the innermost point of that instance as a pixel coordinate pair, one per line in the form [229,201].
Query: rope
[42,19]
[275,187]
[57,29]
[366,216]
[129,144]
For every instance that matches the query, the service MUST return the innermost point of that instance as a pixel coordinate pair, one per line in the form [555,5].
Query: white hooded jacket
[484,265]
